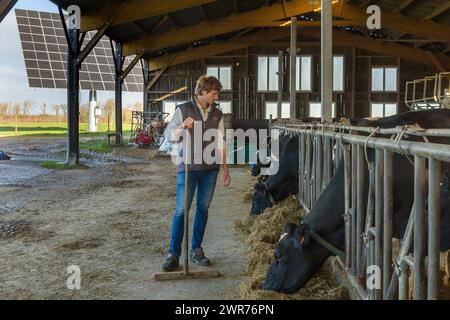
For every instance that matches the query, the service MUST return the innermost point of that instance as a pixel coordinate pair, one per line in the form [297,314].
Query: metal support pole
[146,75]
[319,165]
[359,207]
[379,216]
[280,82]
[387,220]
[301,167]
[353,231]
[403,281]
[434,193]
[118,91]
[419,228]
[293,68]
[73,73]
[326,60]
[347,192]
[308,185]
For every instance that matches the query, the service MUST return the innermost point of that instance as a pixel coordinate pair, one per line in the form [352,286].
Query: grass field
[53,128]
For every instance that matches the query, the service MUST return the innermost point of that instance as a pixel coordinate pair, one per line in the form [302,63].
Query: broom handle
[186,207]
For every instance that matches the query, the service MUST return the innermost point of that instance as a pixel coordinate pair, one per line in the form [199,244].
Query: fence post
[354,183]
[348,199]
[379,216]
[434,210]
[419,227]
[387,220]
[359,208]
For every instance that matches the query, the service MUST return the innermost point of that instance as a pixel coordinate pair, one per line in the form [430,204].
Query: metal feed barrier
[369,234]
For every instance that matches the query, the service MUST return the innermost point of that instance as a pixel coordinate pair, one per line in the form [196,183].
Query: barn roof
[170,32]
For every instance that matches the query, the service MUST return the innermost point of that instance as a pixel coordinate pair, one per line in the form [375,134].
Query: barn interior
[277,60]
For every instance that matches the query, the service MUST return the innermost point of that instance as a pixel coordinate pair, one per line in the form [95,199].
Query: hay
[261,234]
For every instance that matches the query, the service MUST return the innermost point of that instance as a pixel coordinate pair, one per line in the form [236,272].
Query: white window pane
[297,74]
[212,71]
[225,77]
[390,109]
[377,79]
[225,106]
[315,110]
[286,110]
[169,107]
[306,74]
[377,110]
[262,73]
[338,73]
[390,79]
[273,76]
[271,109]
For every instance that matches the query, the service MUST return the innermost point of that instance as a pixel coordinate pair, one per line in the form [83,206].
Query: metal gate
[369,233]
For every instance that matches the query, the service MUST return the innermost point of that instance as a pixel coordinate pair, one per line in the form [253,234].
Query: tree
[44,108]
[56,108]
[16,108]
[84,112]
[27,106]
[4,108]
[63,108]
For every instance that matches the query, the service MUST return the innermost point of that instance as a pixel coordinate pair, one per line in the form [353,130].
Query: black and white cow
[297,257]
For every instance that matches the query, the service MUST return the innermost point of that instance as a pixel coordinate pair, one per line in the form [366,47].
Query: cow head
[295,260]
[260,199]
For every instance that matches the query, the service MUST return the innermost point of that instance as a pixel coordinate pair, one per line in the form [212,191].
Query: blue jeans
[205,183]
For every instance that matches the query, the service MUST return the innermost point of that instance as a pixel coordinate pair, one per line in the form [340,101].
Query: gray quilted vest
[190,109]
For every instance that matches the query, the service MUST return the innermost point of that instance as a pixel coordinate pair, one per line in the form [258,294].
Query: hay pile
[261,234]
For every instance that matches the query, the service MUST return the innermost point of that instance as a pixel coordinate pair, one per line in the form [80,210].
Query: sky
[13,77]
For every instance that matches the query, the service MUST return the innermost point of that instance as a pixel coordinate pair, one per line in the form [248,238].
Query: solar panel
[44,47]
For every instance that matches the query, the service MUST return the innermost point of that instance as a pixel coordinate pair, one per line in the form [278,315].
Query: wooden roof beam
[384,47]
[396,21]
[136,10]
[217,48]
[339,37]
[208,29]
[438,11]
[403,6]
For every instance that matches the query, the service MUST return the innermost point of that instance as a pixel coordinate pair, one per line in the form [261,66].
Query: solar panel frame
[44,48]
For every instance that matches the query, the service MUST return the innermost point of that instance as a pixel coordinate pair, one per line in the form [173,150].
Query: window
[169,107]
[272,109]
[338,73]
[303,73]
[383,109]
[384,79]
[225,106]
[316,111]
[267,73]
[223,73]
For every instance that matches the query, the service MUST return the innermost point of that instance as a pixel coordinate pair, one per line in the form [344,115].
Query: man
[200,110]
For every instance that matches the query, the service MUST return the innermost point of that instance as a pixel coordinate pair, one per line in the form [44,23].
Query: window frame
[218,66]
[300,73]
[267,72]
[333,103]
[384,107]
[397,82]
[343,73]
[276,103]
[231,105]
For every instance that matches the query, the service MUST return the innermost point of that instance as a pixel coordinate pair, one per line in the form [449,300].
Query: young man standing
[202,176]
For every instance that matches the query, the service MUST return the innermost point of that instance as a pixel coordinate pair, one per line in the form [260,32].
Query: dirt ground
[111,219]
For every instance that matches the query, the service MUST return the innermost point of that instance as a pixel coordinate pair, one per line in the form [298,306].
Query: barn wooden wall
[248,103]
